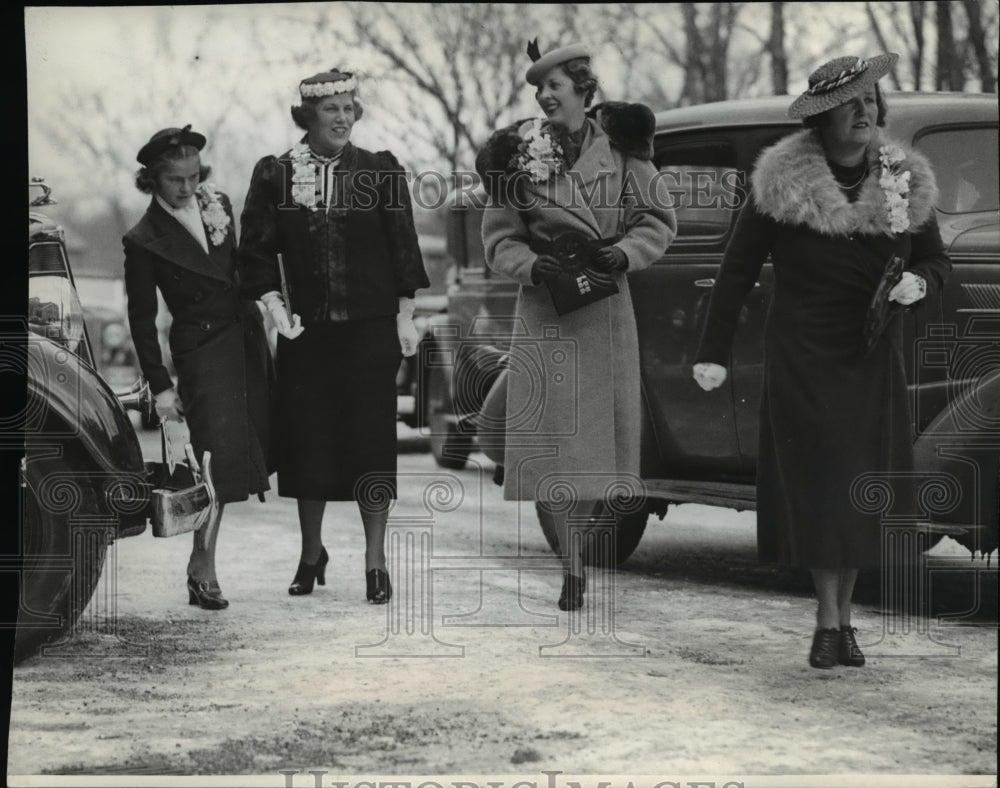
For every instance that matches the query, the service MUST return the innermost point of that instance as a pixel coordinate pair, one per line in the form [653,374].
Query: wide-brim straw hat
[168,138]
[839,80]
[554,57]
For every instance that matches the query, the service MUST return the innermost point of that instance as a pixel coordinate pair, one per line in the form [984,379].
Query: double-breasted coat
[217,343]
[830,414]
[574,397]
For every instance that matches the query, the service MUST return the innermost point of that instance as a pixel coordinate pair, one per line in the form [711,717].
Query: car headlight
[54,310]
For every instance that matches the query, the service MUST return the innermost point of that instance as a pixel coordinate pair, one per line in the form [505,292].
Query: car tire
[451,448]
[59,572]
[629,527]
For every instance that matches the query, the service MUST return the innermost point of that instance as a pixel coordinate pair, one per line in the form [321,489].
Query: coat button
[205,325]
[198,296]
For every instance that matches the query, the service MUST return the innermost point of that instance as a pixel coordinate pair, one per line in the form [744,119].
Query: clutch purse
[578,284]
[881,309]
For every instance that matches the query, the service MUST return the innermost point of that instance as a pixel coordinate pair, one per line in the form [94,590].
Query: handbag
[578,283]
[881,310]
[182,493]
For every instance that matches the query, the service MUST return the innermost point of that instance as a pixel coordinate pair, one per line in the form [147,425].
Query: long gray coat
[573,398]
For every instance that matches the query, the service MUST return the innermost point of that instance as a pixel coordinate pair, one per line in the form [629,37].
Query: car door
[694,430]
[746,365]
[953,340]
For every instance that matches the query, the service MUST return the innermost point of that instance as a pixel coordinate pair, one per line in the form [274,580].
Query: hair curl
[584,80]
[818,121]
[146,177]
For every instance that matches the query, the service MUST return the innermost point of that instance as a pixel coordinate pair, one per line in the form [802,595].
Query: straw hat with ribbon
[838,81]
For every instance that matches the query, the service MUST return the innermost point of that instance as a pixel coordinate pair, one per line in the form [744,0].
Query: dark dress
[347,264]
[829,415]
[217,341]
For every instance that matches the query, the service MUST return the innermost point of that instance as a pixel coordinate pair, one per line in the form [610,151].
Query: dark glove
[610,259]
[545,268]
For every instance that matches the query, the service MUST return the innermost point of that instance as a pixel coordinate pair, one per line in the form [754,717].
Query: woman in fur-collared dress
[831,204]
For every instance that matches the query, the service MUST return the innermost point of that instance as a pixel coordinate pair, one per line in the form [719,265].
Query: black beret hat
[168,138]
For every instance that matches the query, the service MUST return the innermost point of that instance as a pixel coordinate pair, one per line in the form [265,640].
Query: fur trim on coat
[792,183]
[630,129]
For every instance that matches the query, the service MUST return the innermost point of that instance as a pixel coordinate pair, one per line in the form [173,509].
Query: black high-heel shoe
[307,574]
[379,589]
[571,597]
[206,593]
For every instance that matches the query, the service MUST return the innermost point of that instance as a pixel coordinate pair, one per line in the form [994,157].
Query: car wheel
[629,526]
[61,565]
[451,448]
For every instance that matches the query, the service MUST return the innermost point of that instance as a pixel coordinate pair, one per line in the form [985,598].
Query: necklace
[857,183]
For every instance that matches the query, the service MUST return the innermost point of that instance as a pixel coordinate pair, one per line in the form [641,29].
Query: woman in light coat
[573,399]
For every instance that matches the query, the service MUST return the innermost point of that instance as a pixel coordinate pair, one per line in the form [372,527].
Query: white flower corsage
[304,177]
[539,154]
[895,183]
[213,214]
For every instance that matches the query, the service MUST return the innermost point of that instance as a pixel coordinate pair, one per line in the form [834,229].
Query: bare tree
[977,40]
[880,38]
[949,67]
[918,11]
[459,69]
[776,49]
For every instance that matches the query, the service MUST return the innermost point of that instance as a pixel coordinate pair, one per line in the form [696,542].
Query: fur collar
[629,127]
[793,184]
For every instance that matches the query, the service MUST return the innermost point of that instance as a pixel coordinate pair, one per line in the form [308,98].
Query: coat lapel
[174,243]
[564,190]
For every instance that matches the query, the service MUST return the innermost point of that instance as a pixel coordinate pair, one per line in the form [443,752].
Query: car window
[965,166]
[706,186]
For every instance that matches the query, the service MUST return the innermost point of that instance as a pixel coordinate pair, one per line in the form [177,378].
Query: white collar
[190,218]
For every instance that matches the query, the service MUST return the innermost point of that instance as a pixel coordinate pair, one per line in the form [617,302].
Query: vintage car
[700,447]
[83,476]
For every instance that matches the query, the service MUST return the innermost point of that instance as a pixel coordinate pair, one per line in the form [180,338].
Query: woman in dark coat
[831,204]
[339,219]
[185,245]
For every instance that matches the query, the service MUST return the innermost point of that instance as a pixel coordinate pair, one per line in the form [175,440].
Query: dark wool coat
[829,414]
[573,397]
[217,343]
[349,262]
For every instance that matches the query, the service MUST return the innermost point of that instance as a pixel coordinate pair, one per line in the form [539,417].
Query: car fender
[68,403]
[963,441]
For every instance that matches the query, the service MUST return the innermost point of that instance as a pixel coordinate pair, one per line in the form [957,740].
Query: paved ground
[689,660]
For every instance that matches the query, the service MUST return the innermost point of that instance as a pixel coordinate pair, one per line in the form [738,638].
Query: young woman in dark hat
[340,219]
[831,205]
[550,177]
[185,246]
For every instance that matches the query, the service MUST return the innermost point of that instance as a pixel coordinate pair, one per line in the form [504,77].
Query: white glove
[709,376]
[409,337]
[168,405]
[910,288]
[276,308]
